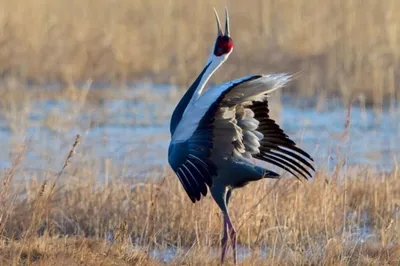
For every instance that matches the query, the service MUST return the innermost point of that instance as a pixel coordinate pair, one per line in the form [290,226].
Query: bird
[222,137]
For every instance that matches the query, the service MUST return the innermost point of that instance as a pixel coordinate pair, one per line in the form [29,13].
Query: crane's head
[223,44]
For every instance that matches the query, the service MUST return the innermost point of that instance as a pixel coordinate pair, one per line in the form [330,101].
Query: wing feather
[251,133]
[232,120]
[193,141]
[277,148]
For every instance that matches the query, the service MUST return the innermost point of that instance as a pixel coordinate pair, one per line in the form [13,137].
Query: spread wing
[276,147]
[190,158]
[232,120]
[192,144]
[243,128]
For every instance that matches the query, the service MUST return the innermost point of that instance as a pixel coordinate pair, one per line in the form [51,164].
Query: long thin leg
[232,231]
[232,234]
[221,196]
[224,241]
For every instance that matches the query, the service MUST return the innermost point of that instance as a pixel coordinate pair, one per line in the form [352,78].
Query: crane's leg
[232,235]
[229,226]
[224,240]
[221,196]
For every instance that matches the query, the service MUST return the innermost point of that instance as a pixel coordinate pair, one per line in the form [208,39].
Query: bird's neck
[193,93]
[212,65]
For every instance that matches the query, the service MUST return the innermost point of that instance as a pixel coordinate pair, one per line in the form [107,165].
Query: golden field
[347,48]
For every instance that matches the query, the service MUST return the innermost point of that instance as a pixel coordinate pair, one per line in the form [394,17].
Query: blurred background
[114,70]
[344,47]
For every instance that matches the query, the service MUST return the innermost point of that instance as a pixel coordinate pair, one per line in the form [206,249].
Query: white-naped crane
[217,135]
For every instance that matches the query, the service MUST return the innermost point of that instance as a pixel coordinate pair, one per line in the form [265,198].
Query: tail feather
[242,172]
[269,174]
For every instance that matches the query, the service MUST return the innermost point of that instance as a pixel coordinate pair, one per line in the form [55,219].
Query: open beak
[220,33]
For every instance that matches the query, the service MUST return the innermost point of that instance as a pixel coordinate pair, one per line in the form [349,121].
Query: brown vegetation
[348,217]
[346,47]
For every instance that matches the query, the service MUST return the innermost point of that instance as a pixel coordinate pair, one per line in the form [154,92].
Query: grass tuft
[348,220]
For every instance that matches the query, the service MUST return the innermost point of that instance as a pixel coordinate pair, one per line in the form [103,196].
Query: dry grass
[345,218]
[347,47]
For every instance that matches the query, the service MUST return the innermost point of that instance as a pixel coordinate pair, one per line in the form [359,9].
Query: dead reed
[345,218]
[344,47]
